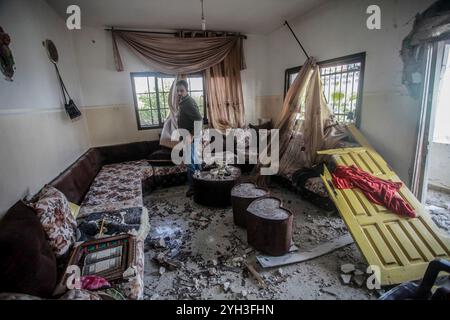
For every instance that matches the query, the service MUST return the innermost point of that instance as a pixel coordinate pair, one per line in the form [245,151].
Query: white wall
[439,166]
[37,139]
[108,96]
[338,28]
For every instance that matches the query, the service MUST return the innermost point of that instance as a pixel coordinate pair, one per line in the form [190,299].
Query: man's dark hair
[183,83]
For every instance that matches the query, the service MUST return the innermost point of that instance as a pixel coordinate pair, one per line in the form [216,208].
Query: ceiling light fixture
[203,18]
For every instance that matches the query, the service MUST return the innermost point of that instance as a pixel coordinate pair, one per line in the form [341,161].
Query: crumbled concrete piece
[347,268]
[154,297]
[162,243]
[346,278]
[214,262]
[226,286]
[244,293]
[193,215]
[162,270]
[280,271]
[358,272]
[359,280]
[328,291]
[212,271]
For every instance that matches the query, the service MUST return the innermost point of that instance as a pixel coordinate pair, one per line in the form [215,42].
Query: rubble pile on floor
[195,252]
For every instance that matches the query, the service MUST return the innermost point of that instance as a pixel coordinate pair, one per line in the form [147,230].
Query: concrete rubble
[206,256]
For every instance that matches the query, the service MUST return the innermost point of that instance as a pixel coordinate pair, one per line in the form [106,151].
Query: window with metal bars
[151,92]
[342,80]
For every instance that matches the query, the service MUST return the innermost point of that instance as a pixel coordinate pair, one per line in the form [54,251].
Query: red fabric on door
[379,191]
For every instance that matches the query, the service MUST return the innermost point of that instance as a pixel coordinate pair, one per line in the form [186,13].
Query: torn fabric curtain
[175,55]
[300,140]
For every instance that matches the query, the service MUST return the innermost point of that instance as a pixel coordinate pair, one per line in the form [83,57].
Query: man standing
[187,115]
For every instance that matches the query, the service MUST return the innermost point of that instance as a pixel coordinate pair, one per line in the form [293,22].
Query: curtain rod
[293,33]
[171,33]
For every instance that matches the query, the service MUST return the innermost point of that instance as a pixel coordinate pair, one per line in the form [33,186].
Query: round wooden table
[215,191]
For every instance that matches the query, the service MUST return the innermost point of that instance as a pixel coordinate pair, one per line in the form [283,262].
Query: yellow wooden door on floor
[400,246]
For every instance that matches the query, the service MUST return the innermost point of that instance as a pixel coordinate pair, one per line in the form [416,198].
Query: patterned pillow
[57,220]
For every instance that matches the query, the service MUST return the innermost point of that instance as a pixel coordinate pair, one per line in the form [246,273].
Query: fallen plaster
[212,254]
[438,203]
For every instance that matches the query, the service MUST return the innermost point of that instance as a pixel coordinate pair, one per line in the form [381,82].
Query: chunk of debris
[162,270]
[193,215]
[154,297]
[162,243]
[346,278]
[257,276]
[359,280]
[347,268]
[212,271]
[167,263]
[226,286]
[358,272]
[244,293]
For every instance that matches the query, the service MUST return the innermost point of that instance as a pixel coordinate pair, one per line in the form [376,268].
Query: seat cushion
[117,187]
[168,176]
[27,263]
[57,220]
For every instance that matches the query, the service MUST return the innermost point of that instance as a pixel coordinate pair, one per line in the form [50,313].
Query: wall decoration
[70,106]
[6,57]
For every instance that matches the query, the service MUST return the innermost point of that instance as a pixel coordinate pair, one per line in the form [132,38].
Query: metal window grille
[342,80]
[151,92]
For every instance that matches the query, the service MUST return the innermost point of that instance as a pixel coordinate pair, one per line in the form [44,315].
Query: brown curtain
[175,55]
[224,91]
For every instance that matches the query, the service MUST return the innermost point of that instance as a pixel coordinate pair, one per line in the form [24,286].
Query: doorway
[432,165]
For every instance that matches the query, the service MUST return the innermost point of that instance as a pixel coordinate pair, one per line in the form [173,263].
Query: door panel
[401,247]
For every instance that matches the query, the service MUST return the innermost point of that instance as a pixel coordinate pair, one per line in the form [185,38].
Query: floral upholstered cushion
[53,210]
[167,170]
[316,185]
[116,187]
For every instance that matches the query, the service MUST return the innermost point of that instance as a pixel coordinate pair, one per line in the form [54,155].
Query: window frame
[157,76]
[359,57]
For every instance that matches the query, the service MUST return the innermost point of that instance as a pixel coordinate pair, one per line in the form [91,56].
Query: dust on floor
[202,253]
[438,203]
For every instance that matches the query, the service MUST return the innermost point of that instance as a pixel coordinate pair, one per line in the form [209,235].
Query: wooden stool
[241,196]
[269,226]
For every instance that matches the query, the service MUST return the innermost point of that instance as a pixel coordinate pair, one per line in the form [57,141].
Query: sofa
[108,184]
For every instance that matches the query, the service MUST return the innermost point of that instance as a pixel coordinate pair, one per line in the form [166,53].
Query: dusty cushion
[116,187]
[27,263]
[57,220]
